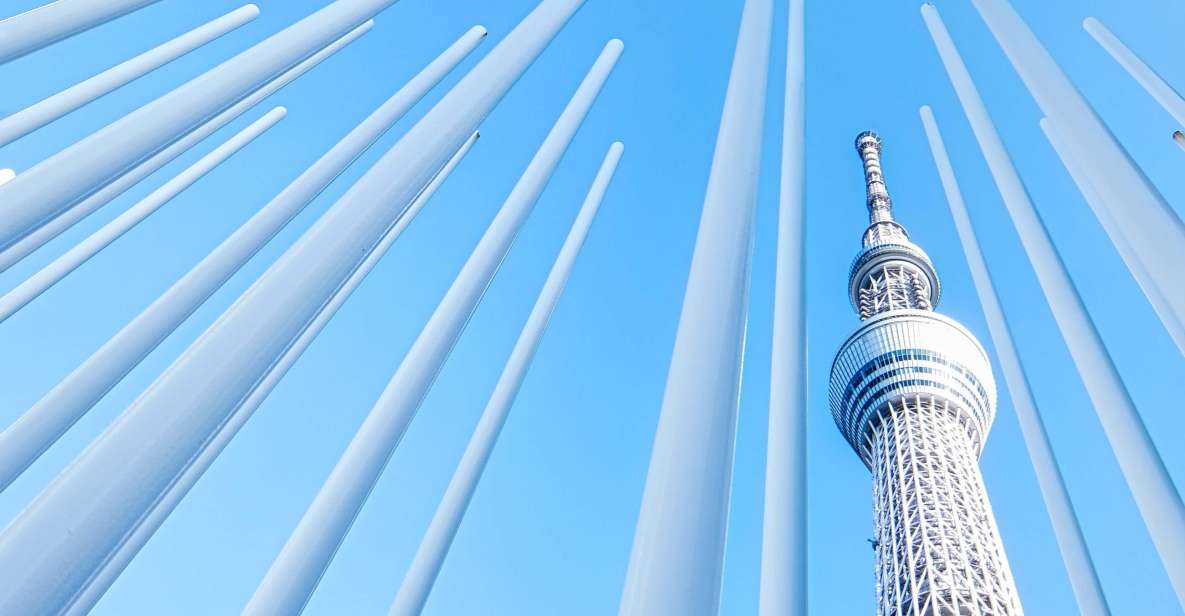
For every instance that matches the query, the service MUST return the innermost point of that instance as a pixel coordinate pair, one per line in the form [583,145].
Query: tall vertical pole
[425,567]
[33,117]
[294,575]
[169,500]
[1147,222]
[1153,83]
[52,549]
[783,537]
[1088,591]
[45,25]
[59,268]
[677,560]
[87,206]
[1151,485]
[37,429]
[58,182]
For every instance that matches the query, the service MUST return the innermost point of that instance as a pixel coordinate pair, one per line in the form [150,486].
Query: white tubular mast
[783,537]
[677,560]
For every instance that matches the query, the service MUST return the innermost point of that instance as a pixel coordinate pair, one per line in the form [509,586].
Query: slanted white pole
[1146,221]
[1151,485]
[1153,83]
[783,533]
[59,268]
[1088,591]
[36,239]
[169,500]
[60,181]
[45,25]
[6,175]
[678,554]
[33,117]
[425,568]
[159,435]
[33,433]
[294,575]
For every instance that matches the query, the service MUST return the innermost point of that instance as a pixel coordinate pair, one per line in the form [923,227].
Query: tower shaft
[938,549]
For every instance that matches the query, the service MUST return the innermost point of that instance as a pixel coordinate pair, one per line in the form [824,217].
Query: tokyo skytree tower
[912,392]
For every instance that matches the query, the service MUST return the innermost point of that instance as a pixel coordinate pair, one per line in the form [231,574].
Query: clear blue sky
[550,529]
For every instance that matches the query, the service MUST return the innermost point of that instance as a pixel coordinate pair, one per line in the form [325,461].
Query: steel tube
[33,433]
[169,500]
[783,590]
[1145,220]
[36,239]
[425,568]
[1155,495]
[1148,79]
[52,548]
[45,25]
[1088,590]
[59,268]
[61,180]
[295,573]
[677,559]
[37,115]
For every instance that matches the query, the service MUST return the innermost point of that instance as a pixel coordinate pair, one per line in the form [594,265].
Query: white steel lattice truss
[938,548]
[894,287]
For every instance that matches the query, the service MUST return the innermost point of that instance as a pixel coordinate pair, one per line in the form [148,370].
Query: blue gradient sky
[550,529]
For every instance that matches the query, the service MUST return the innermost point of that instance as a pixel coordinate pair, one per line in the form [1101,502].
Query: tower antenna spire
[880,204]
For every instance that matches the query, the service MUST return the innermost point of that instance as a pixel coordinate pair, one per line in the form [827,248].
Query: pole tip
[615,44]
[479,30]
[617,146]
[1090,24]
[252,9]
[1178,136]
[6,175]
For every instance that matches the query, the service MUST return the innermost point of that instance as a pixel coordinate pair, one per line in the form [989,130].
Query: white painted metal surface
[677,559]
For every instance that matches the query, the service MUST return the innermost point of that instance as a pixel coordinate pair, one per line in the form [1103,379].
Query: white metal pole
[293,576]
[1147,222]
[58,182]
[59,268]
[33,117]
[6,175]
[1152,486]
[45,25]
[169,500]
[1083,578]
[783,535]
[28,437]
[53,547]
[38,238]
[1138,69]
[425,568]
[677,559]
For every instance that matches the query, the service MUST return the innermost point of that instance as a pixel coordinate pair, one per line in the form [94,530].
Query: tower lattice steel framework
[912,392]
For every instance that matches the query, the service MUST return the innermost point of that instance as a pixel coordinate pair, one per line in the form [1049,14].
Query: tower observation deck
[912,392]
